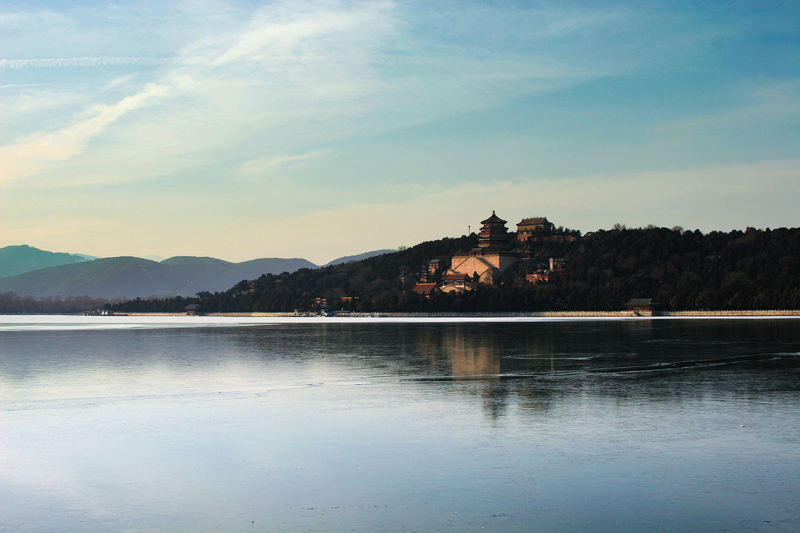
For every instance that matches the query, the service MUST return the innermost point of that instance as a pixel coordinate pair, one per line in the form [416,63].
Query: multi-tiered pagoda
[495,253]
[494,236]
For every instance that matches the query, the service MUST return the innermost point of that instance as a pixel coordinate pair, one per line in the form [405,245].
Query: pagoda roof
[424,288]
[640,302]
[533,220]
[494,219]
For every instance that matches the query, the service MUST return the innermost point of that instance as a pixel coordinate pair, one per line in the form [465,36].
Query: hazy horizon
[242,130]
[159,259]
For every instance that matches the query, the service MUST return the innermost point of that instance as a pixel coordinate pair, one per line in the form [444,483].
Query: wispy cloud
[266,165]
[376,108]
[294,73]
[294,59]
[768,102]
[36,151]
[89,62]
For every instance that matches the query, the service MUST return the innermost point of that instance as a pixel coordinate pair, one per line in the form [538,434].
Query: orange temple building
[530,228]
[495,253]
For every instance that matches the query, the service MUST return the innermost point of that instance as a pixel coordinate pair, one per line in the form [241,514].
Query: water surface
[421,425]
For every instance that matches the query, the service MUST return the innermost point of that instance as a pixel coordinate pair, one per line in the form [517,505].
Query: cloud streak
[380,109]
[294,73]
[768,102]
[89,62]
[267,165]
[37,151]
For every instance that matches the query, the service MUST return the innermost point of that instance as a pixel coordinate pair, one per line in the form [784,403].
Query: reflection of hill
[531,369]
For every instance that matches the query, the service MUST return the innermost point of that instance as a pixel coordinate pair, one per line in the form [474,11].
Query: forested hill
[679,269]
[374,281]
[685,270]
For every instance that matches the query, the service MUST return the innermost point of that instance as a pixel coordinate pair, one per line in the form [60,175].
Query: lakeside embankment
[555,314]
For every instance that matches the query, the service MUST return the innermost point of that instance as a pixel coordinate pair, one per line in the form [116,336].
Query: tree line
[12,303]
[752,269]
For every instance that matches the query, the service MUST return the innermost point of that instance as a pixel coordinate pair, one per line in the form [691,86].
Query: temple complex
[530,228]
[495,253]
[494,236]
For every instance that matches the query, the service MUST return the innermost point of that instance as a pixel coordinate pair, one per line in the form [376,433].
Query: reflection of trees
[535,366]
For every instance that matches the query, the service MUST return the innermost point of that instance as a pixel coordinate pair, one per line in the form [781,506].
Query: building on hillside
[530,229]
[494,236]
[321,305]
[497,250]
[424,288]
[535,223]
[494,254]
[542,275]
[456,282]
[556,265]
[427,273]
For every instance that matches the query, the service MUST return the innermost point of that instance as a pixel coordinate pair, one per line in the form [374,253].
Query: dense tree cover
[679,269]
[682,269]
[380,280]
[176,304]
[12,303]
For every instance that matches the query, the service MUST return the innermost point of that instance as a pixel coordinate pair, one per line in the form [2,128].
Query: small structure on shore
[193,310]
[641,306]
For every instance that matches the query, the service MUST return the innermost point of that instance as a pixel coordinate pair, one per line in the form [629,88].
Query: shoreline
[541,314]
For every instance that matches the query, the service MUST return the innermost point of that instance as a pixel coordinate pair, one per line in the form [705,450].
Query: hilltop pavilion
[494,254]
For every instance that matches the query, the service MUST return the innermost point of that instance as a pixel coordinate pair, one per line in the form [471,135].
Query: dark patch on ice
[698,363]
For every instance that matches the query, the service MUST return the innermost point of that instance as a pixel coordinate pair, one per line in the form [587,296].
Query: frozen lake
[239,424]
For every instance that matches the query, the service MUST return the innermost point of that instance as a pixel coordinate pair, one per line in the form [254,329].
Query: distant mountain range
[20,259]
[29,271]
[359,257]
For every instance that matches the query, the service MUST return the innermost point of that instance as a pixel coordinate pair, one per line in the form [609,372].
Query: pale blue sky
[318,129]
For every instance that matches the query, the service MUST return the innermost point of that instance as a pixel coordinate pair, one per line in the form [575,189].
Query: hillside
[358,257]
[680,269]
[374,278]
[131,277]
[16,260]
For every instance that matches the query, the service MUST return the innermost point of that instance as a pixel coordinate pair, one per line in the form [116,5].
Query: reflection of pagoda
[493,255]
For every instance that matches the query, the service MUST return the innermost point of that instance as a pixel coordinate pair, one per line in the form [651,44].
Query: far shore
[562,314]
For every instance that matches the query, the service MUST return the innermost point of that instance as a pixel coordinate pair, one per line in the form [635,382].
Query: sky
[319,129]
